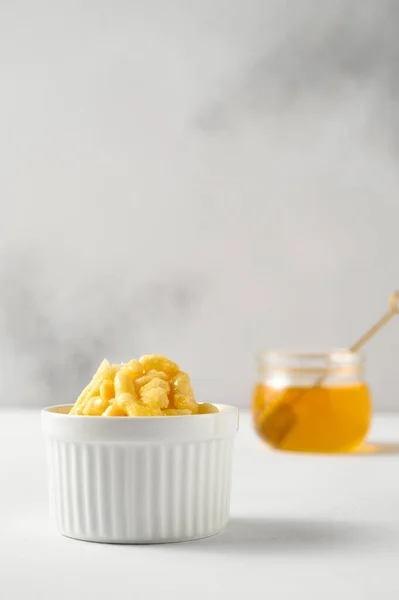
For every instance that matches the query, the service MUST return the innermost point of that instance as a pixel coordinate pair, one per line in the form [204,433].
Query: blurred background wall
[200,178]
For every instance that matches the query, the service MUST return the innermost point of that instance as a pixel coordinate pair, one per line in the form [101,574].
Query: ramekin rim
[49,410]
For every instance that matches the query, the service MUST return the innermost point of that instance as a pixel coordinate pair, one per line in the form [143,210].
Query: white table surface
[301,526]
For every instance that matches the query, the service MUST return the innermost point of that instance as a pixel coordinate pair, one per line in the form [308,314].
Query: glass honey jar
[312,402]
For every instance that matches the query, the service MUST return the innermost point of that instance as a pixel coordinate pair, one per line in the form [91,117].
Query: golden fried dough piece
[156,362]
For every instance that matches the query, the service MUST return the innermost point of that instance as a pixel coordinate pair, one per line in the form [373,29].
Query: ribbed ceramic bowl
[139,479]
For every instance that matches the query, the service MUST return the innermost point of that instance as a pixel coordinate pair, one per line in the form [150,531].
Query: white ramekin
[139,479]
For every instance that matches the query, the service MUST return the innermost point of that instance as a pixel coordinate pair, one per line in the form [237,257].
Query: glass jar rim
[333,360]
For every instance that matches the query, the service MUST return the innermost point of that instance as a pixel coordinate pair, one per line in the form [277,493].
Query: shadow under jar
[312,402]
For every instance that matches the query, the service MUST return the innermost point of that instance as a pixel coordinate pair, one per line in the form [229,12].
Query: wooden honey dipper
[283,417]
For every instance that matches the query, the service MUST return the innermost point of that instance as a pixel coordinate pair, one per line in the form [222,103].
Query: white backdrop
[199,178]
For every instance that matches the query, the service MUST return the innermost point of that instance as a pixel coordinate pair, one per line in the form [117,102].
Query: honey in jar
[312,402]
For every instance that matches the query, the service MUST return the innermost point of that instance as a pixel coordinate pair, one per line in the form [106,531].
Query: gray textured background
[199,178]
